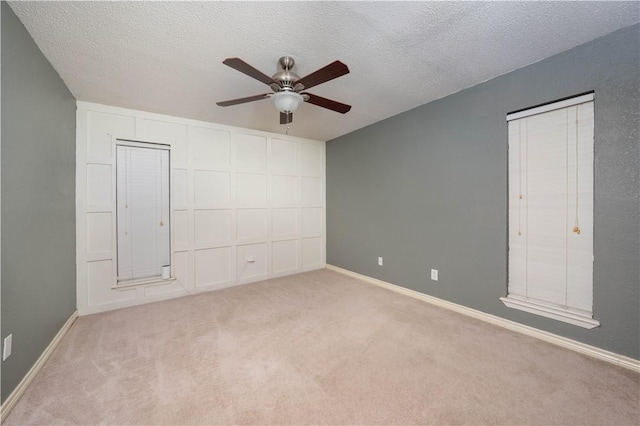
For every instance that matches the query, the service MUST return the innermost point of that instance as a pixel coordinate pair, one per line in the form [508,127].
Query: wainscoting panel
[284,223]
[312,252]
[285,256]
[213,227]
[251,224]
[210,149]
[100,128]
[245,205]
[252,261]
[213,266]
[98,232]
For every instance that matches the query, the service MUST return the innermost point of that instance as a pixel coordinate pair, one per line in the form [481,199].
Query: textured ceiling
[166,57]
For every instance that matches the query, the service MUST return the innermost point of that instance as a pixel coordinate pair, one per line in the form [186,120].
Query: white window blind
[551,211]
[142,212]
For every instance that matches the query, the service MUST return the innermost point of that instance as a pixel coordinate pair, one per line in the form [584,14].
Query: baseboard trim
[17,393]
[583,348]
[182,291]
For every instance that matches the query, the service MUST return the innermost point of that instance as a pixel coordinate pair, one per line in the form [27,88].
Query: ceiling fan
[288,87]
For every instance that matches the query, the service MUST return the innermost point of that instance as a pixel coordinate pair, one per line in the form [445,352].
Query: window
[142,200]
[551,211]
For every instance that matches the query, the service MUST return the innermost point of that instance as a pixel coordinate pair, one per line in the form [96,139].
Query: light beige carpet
[318,348]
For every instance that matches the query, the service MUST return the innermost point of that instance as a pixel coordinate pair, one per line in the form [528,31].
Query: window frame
[124,284]
[549,309]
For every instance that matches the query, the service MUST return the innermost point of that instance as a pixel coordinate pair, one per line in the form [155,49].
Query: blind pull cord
[576,227]
[161,192]
[520,197]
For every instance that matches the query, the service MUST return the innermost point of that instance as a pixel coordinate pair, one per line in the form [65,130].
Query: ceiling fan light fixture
[287,101]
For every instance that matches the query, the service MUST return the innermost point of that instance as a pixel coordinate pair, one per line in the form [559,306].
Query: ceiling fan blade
[242,100]
[329,72]
[240,65]
[286,117]
[327,103]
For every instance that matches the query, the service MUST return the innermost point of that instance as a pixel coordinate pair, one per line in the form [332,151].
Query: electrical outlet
[6,347]
[379,261]
[434,274]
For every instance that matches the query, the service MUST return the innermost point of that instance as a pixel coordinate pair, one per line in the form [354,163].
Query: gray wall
[428,189]
[38,200]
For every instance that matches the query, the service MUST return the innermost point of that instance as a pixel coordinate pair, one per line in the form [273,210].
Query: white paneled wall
[245,205]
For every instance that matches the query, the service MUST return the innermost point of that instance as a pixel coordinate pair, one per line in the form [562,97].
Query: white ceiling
[166,57]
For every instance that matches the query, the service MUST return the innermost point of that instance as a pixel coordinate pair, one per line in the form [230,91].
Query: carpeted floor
[316,348]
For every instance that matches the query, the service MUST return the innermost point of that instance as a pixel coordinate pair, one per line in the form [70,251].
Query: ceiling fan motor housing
[285,77]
